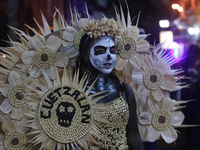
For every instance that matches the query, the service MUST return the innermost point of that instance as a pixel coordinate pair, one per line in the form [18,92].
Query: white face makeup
[102,55]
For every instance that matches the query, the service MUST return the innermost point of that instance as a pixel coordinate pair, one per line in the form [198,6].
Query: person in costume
[86,107]
[98,55]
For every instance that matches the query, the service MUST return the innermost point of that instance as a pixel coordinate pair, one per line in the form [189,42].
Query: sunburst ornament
[44,57]
[14,137]
[16,95]
[126,47]
[131,44]
[153,78]
[161,121]
[15,141]
[65,112]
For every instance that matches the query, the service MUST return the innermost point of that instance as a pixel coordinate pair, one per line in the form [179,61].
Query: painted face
[102,55]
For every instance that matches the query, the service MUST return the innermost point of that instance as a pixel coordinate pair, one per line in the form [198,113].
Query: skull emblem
[65,112]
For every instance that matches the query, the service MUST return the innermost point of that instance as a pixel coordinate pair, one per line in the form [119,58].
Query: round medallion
[126,47]
[18,95]
[65,114]
[161,120]
[77,38]
[15,141]
[44,57]
[152,78]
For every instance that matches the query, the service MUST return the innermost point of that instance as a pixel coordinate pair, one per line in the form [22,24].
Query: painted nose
[108,57]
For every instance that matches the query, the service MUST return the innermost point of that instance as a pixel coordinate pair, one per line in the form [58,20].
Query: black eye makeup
[112,50]
[101,50]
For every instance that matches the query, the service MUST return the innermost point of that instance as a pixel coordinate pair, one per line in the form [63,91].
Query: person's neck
[98,76]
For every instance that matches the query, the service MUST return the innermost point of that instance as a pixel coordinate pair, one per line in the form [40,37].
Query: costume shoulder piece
[44,104]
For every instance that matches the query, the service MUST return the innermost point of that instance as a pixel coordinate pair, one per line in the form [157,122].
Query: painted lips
[108,65]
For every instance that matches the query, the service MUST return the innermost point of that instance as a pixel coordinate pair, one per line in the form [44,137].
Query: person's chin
[107,71]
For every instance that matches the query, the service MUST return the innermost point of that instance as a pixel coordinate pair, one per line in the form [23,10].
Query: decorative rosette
[160,120]
[63,113]
[43,55]
[16,95]
[156,77]
[14,135]
[130,45]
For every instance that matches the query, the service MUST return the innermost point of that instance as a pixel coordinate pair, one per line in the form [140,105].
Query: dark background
[19,12]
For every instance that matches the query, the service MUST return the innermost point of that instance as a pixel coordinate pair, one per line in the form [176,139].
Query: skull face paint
[102,55]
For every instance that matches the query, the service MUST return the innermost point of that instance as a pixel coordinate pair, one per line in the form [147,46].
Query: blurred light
[166,37]
[176,52]
[3,56]
[180,9]
[164,23]
[193,31]
[172,45]
[175,6]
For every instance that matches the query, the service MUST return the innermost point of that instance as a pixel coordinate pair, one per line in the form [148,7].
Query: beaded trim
[113,133]
[126,47]
[65,114]
[44,57]
[152,78]
[77,38]
[15,141]
[161,120]
[18,95]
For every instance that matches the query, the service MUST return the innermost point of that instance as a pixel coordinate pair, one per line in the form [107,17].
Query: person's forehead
[105,41]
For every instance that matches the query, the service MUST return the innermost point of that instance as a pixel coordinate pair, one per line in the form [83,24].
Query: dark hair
[86,44]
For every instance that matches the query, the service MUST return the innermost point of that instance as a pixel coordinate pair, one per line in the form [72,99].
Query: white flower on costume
[14,136]
[16,95]
[131,44]
[160,121]
[43,55]
[155,78]
[129,48]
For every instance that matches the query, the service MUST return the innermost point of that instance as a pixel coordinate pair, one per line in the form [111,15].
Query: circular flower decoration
[16,95]
[155,78]
[129,47]
[160,121]
[63,112]
[14,137]
[44,55]
[126,47]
